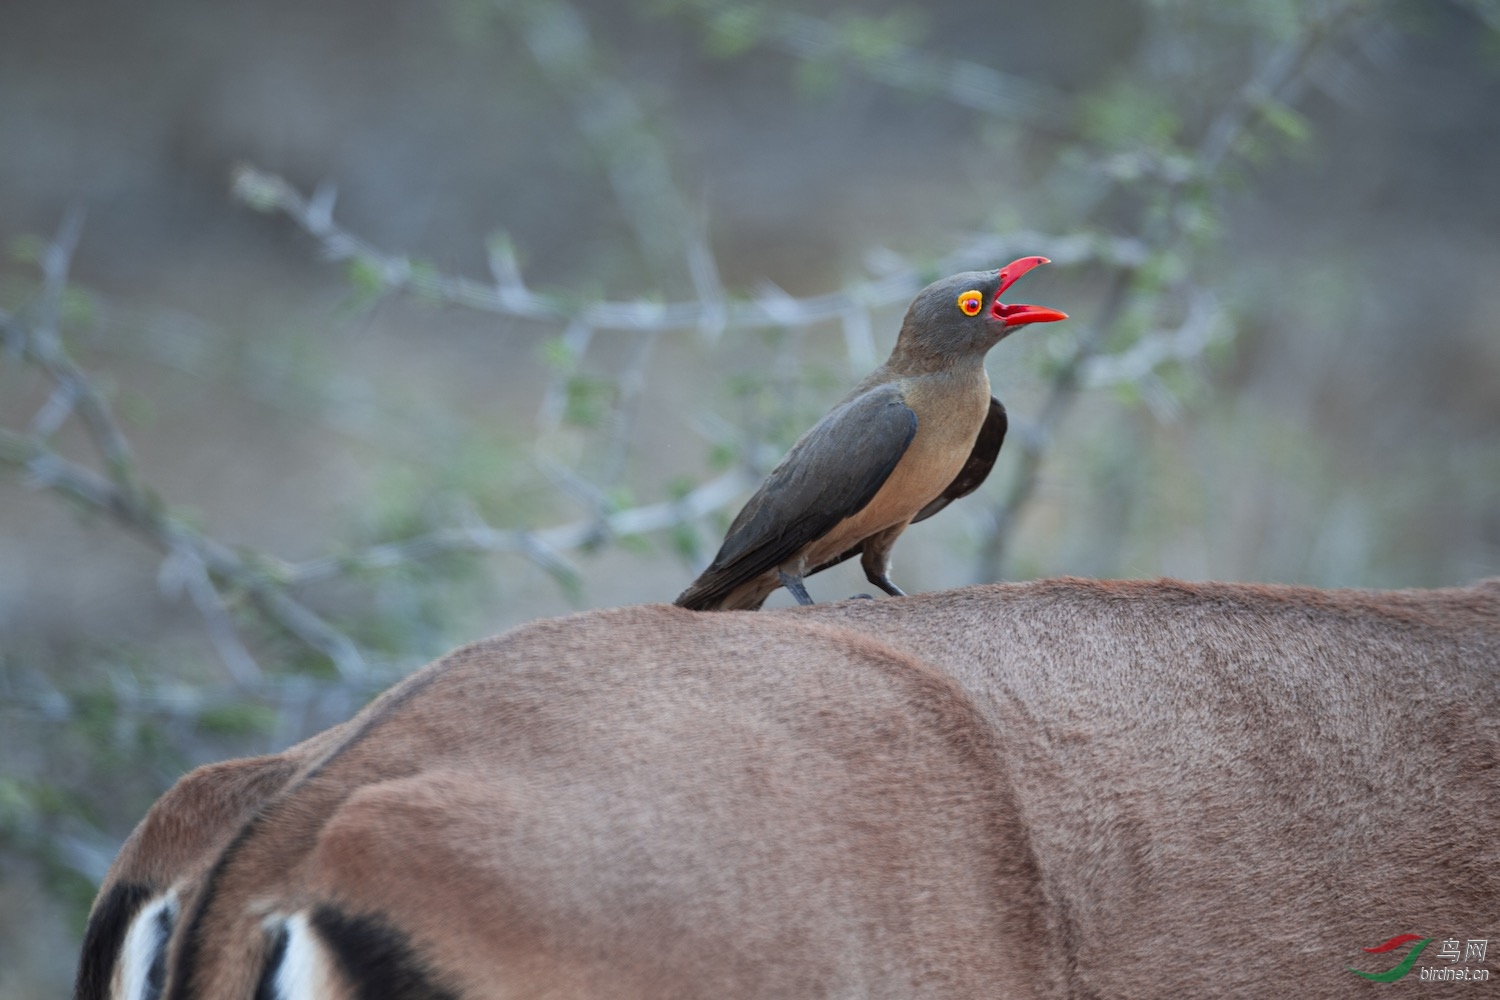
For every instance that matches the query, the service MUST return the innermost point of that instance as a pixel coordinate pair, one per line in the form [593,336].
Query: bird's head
[963,314]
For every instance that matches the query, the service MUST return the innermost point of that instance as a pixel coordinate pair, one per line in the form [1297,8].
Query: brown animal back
[651,803]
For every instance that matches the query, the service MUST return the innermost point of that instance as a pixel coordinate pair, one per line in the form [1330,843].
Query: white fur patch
[303,971]
[145,945]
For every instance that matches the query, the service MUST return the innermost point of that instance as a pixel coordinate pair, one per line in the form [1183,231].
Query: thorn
[320,208]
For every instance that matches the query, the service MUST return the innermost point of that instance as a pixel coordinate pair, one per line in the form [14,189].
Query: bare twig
[477,537]
[1036,437]
[145,517]
[819,41]
[511,298]
[195,564]
[632,389]
[204,569]
[1279,71]
[1203,323]
[636,165]
[1276,73]
[610,119]
[42,344]
[184,570]
[770,307]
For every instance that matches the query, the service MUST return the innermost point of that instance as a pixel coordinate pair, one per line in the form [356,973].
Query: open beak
[1016,314]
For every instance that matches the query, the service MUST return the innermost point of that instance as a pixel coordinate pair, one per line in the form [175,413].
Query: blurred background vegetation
[335,334]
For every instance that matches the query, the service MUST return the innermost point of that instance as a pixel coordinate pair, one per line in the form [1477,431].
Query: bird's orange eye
[971,302]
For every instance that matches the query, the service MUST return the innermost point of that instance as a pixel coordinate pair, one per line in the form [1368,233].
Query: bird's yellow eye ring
[971,302]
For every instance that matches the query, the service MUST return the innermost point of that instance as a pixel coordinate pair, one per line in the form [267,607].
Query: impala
[1058,789]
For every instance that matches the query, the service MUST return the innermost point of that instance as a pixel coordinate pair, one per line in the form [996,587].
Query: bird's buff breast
[937,452]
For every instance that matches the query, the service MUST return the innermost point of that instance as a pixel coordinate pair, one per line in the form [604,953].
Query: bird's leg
[877,561]
[793,584]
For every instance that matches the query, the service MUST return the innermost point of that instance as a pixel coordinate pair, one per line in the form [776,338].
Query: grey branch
[199,564]
[205,569]
[896,64]
[545,546]
[611,120]
[146,517]
[510,297]
[1278,73]
[1205,322]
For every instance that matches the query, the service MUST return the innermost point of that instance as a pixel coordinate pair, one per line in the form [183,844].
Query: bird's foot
[793,585]
[862,597]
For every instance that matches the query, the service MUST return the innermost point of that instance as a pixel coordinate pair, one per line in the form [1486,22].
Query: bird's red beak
[1016,314]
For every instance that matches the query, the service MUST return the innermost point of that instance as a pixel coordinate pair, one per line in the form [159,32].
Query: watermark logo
[1473,951]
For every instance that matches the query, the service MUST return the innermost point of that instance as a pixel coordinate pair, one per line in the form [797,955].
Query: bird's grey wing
[977,468]
[831,473]
[981,460]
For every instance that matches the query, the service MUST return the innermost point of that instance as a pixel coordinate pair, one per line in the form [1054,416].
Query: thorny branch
[636,166]
[508,295]
[1275,76]
[214,576]
[711,312]
[614,125]
[818,41]
[211,573]
[204,568]
[772,307]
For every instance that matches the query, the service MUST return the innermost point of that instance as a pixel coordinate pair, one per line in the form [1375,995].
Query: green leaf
[136,408]
[471,20]
[685,543]
[619,498]
[95,712]
[555,353]
[365,276]
[17,806]
[256,190]
[588,400]
[743,386]
[723,456]
[1127,394]
[734,31]
[27,248]
[426,281]
[79,307]
[236,720]
[1129,115]
[817,79]
[871,39]
[639,544]
[1285,120]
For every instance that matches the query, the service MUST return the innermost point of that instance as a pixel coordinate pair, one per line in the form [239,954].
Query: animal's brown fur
[1065,788]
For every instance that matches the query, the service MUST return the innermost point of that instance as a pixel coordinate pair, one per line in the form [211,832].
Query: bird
[919,432]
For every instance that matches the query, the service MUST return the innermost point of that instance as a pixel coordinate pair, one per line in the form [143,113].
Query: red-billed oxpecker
[919,432]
